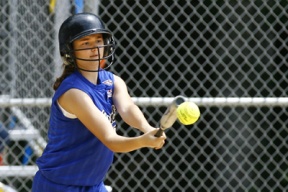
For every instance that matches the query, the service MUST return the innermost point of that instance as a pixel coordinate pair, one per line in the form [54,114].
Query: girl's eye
[86,43]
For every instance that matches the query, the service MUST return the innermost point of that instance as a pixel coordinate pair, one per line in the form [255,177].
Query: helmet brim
[90,32]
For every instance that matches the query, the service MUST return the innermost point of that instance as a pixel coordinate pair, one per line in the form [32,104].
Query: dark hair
[68,70]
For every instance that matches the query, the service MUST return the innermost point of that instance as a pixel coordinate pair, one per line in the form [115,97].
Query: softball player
[81,135]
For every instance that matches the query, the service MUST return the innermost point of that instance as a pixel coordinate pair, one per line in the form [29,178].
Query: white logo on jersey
[109,93]
[108,82]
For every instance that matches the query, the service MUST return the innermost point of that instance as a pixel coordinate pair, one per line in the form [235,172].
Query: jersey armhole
[66,113]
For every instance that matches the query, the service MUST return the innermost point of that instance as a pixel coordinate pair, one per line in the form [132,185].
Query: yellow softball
[188,113]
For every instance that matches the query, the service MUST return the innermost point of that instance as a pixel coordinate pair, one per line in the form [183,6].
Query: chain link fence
[230,57]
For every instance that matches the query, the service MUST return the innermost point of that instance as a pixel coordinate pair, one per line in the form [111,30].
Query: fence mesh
[164,48]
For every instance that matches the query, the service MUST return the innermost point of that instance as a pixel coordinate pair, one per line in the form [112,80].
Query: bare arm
[79,103]
[127,109]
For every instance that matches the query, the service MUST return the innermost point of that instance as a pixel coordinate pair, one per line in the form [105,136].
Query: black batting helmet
[80,25]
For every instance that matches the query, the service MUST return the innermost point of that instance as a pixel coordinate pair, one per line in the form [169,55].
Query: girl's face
[89,48]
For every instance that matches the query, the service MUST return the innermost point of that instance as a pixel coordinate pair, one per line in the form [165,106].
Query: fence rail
[18,171]
[164,101]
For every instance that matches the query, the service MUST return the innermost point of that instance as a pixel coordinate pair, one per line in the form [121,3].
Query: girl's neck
[90,76]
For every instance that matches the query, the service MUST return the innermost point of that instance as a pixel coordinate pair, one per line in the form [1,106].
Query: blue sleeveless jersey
[73,155]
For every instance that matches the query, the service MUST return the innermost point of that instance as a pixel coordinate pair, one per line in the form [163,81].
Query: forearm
[127,109]
[134,117]
[121,144]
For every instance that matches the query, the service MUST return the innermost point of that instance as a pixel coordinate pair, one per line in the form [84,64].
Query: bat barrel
[170,116]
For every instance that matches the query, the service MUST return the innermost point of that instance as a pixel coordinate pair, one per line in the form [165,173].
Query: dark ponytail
[68,70]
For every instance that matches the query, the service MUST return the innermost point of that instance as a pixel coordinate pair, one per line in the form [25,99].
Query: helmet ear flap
[109,48]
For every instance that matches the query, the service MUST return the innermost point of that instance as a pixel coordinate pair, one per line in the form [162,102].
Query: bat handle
[159,133]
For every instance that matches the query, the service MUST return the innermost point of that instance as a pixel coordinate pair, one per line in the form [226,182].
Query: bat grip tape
[159,133]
